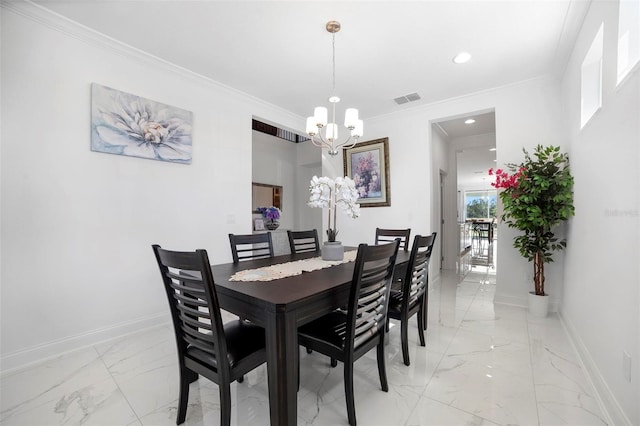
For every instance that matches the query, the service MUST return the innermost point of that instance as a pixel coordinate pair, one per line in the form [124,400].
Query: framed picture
[126,124]
[367,163]
[258,224]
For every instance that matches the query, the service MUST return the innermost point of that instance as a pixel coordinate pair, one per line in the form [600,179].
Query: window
[480,204]
[591,90]
[628,37]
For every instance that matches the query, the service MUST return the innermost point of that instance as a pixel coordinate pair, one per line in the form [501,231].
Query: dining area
[340,308]
[482,364]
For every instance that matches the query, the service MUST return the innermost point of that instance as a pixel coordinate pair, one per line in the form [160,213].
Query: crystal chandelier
[319,121]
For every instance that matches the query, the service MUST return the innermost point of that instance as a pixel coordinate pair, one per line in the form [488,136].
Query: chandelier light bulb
[357,131]
[350,118]
[320,113]
[311,126]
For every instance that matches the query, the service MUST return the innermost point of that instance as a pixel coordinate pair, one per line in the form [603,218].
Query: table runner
[289,269]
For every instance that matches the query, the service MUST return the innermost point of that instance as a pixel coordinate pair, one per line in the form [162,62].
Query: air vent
[407,98]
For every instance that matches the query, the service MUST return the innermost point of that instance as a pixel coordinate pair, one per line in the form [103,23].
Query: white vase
[538,305]
[332,250]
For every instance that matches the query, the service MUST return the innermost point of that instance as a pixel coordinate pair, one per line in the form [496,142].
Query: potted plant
[330,193]
[272,216]
[536,196]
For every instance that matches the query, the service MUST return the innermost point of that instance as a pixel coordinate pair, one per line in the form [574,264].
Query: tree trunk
[538,273]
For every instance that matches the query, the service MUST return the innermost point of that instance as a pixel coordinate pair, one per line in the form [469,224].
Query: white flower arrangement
[330,193]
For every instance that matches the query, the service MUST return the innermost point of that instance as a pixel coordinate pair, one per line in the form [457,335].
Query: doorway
[464,148]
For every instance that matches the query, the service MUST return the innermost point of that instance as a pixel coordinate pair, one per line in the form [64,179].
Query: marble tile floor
[484,364]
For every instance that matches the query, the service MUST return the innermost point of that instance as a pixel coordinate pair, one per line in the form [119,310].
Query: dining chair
[251,246]
[347,336]
[303,241]
[222,353]
[388,235]
[481,233]
[413,298]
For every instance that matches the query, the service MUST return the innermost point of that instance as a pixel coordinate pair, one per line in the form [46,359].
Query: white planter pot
[538,305]
[332,251]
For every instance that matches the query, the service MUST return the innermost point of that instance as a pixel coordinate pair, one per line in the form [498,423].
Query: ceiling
[457,128]
[280,52]
[474,162]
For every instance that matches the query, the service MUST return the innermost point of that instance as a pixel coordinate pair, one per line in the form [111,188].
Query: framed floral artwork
[126,124]
[258,224]
[367,163]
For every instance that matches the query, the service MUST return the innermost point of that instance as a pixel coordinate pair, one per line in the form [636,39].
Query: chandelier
[319,121]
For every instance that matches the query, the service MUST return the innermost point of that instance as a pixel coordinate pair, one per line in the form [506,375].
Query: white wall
[309,161]
[519,124]
[439,164]
[274,163]
[601,302]
[280,162]
[410,184]
[77,226]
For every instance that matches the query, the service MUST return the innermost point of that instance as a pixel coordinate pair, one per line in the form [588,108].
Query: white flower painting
[126,124]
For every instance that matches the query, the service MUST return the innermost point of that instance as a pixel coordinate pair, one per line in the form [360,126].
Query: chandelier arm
[346,144]
[320,142]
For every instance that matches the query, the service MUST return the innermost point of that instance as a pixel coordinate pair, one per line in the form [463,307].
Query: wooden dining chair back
[303,241]
[220,352]
[388,235]
[347,336]
[413,298]
[250,246]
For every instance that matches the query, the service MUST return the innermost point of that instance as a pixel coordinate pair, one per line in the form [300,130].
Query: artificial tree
[536,196]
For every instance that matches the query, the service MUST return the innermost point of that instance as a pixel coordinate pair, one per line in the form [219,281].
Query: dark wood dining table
[281,306]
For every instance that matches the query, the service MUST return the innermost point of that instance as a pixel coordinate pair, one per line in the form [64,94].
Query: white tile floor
[484,364]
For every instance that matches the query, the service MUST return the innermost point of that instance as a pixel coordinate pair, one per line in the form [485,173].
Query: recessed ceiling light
[469,121]
[461,58]
[492,149]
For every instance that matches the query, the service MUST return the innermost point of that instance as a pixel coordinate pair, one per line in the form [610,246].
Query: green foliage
[478,208]
[541,198]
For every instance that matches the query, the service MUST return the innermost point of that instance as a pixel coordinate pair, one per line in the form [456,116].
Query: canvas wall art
[126,124]
[367,163]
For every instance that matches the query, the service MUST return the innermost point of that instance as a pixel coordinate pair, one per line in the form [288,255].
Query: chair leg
[425,307]
[191,376]
[183,399]
[348,390]
[298,355]
[382,369]
[404,337]
[225,404]
[421,327]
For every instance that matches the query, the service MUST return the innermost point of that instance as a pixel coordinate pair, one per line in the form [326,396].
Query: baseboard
[16,361]
[611,409]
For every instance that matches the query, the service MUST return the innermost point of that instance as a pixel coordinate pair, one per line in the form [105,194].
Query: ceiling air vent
[407,98]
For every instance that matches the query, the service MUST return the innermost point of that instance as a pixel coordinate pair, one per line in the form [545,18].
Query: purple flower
[271,213]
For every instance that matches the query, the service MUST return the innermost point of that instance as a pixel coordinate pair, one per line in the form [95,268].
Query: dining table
[281,306]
